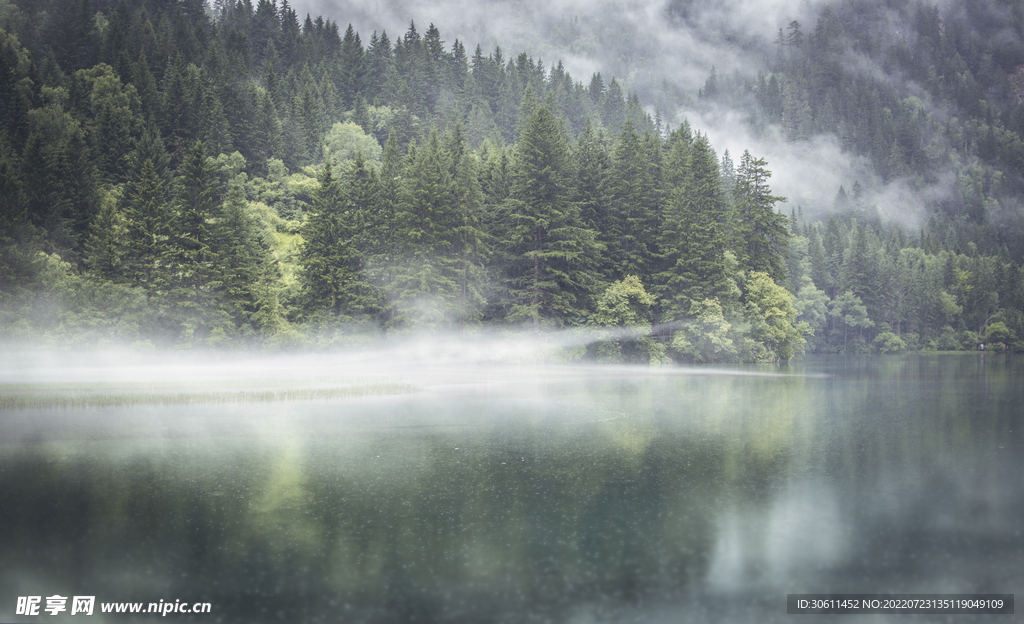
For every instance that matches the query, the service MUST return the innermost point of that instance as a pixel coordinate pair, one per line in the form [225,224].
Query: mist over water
[503,489]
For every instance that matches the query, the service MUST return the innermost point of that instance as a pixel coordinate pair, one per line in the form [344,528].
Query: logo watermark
[85,605]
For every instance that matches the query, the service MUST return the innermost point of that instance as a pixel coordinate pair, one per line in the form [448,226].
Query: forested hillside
[179,174]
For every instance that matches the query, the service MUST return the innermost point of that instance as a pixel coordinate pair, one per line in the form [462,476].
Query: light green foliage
[344,140]
[71,309]
[811,306]
[998,332]
[888,342]
[115,117]
[948,306]
[773,318]
[624,304]
[849,311]
[228,166]
[705,337]
[623,311]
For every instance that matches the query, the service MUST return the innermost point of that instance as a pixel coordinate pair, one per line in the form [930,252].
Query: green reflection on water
[614,492]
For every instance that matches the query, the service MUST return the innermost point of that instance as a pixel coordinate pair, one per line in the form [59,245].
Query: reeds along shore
[29,397]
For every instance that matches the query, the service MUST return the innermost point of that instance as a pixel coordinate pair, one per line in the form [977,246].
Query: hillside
[181,174]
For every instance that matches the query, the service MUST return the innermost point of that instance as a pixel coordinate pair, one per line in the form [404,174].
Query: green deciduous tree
[851,313]
[773,318]
[705,336]
[623,312]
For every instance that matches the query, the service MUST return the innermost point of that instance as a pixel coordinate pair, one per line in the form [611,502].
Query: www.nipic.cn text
[84,605]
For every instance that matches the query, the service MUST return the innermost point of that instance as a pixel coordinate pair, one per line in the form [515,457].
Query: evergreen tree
[692,237]
[186,280]
[760,234]
[551,258]
[148,223]
[242,256]
[470,249]
[634,206]
[352,68]
[104,248]
[334,288]
[434,235]
[19,245]
[590,192]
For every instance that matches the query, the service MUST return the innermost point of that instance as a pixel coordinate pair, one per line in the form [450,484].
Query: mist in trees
[238,176]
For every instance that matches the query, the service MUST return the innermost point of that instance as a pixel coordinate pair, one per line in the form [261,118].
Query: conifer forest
[190,174]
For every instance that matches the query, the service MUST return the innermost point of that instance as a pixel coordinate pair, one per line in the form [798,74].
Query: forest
[177,173]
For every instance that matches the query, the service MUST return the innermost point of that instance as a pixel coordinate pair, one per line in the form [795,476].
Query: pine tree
[692,237]
[104,249]
[590,191]
[470,247]
[352,68]
[334,288]
[760,234]
[241,258]
[551,258]
[426,286]
[378,241]
[19,244]
[148,220]
[613,107]
[186,279]
[634,204]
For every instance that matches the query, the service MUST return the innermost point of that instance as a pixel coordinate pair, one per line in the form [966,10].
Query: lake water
[499,493]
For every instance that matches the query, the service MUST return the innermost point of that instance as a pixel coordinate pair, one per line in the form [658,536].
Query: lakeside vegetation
[176,175]
[63,396]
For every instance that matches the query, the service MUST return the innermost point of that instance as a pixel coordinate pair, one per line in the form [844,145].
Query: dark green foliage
[760,234]
[59,177]
[147,223]
[119,125]
[590,190]
[242,256]
[187,265]
[634,204]
[437,247]
[334,288]
[692,237]
[550,256]
[19,245]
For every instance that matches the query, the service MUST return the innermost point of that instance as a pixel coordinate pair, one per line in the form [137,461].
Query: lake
[445,492]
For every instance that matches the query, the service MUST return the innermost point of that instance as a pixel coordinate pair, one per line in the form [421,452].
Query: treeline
[929,96]
[863,288]
[282,185]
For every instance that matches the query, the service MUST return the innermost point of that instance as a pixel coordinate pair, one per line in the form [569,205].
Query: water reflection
[571,496]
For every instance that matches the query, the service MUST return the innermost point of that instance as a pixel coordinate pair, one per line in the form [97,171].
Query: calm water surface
[502,494]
